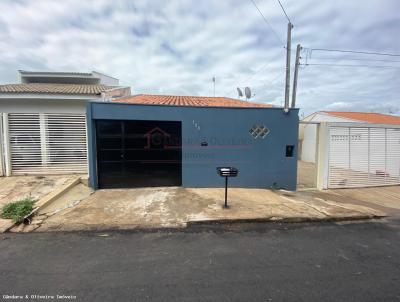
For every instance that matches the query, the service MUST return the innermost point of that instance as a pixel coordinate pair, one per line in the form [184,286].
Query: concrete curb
[9,226]
[283,220]
[47,199]
[216,222]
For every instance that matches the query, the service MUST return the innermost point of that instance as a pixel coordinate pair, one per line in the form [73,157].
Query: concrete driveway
[385,199]
[177,207]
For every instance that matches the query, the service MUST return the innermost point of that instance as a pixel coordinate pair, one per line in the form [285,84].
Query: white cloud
[176,47]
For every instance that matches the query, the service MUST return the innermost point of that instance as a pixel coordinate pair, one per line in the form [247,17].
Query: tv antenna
[247,92]
[240,93]
[214,80]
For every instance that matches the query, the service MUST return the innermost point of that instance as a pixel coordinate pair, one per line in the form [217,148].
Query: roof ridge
[191,96]
[200,101]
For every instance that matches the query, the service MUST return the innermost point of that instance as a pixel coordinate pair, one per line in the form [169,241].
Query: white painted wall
[308,133]
[309,143]
[42,106]
[105,79]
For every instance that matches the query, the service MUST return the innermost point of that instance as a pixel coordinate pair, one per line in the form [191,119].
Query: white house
[351,149]
[43,120]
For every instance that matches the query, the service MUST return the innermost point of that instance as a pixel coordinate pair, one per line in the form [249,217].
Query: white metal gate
[1,146]
[363,156]
[47,143]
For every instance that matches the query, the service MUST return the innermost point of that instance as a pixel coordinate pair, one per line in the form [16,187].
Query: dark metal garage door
[139,153]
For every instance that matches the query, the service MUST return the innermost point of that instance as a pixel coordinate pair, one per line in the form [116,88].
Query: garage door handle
[122,156]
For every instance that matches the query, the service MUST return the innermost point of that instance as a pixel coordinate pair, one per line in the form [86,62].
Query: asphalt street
[262,262]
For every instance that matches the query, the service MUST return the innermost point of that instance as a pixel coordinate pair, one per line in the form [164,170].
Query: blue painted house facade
[168,145]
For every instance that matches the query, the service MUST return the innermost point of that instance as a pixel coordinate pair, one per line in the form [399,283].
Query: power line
[266,21]
[357,59]
[257,71]
[355,51]
[262,67]
[350,65]
[287,17]
[268,82]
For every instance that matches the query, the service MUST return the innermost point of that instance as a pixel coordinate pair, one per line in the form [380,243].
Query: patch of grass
[17,210]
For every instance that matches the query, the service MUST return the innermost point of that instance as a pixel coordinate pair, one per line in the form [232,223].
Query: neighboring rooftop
[198,101]
[55,89]
[68,83]
[370,117]
[89,78]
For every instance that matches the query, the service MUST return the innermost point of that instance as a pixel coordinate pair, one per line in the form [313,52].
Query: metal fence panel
[363,156]
[47,143]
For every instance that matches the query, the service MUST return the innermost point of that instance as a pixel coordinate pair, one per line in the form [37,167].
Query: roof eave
[194,106]
[56,74]
[48,96]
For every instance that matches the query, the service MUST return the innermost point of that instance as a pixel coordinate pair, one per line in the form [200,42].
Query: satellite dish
[240,93]
[247,92]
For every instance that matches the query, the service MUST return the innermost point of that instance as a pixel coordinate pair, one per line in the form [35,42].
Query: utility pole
[288,50]
[296,74]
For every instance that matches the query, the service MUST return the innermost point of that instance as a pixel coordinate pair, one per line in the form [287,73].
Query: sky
[177,46]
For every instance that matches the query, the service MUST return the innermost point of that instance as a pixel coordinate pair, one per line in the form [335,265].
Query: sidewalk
[177,207]
[14,188]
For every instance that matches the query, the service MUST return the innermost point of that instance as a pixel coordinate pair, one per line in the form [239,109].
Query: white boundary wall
[308,133]
[308,142]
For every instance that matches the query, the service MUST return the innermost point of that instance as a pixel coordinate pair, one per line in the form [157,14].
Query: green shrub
[17,210]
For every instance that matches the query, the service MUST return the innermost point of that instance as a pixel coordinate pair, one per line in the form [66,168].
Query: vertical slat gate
[339,156]
[363,156]
[393,156]
[47,143]
[1,146]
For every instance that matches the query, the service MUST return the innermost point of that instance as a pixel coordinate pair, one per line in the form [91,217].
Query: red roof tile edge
[197,101]
[370,117]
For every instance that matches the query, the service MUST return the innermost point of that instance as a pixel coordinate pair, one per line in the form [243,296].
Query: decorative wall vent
[259,131]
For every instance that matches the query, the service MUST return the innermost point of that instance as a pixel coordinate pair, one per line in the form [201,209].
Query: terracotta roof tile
[370,117]
[198,101]
[54,88]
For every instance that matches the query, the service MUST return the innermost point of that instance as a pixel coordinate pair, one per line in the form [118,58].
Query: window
[259,131]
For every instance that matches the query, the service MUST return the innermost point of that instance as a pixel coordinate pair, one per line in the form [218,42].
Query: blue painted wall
[262,163]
